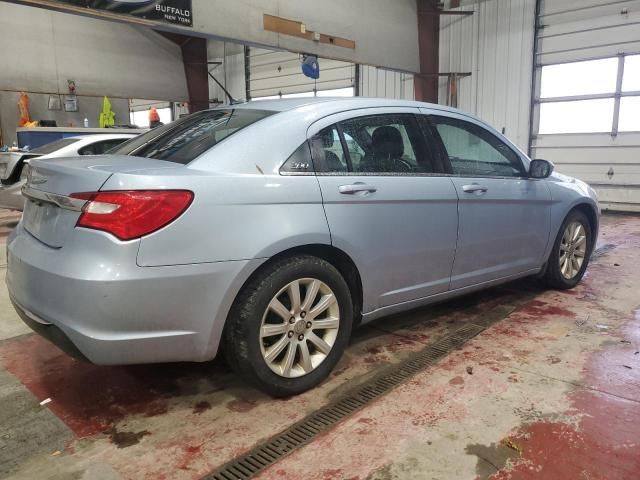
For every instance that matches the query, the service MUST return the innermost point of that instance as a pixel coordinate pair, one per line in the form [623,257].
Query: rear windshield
[54,146]
[189,137]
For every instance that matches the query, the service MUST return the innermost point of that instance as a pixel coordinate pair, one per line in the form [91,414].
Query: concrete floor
[551,391]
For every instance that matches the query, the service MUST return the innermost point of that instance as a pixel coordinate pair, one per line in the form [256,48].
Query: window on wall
[579,78]
[595,96]
[579,116]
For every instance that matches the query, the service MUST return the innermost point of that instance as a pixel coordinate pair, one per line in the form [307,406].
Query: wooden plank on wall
[295,28]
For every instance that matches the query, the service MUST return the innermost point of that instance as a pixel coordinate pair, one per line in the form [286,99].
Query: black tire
[242,332]
[553,276]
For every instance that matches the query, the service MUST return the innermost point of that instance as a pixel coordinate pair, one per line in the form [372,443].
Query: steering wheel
[402,165]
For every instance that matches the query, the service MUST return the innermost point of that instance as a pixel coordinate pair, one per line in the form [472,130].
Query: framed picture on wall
[54,102]
[70,103]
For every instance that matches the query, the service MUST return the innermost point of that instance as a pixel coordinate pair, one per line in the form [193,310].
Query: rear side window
[374,144]
[54,146]
[327,152]
[299,162]
[188,138]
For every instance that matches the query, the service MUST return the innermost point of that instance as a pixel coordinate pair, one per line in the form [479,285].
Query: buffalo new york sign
[170,11]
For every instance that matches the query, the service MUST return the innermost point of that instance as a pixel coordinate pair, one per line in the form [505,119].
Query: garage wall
[578,30]
[385,32]
[495,44]
[274,72]
[378,82]
[575,30]
[41,50]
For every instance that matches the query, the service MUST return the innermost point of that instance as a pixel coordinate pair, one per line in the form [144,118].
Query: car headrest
[387,142]
[327,137]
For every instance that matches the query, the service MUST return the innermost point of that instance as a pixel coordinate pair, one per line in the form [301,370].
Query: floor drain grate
[301,433]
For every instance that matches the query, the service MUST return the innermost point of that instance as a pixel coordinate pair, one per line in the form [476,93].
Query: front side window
[373,144]
[184,140]
[476,152]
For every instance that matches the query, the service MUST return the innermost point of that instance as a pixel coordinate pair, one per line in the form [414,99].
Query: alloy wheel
[573,248]
[299,327]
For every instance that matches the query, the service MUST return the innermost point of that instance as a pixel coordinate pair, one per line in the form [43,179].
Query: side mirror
[539,168]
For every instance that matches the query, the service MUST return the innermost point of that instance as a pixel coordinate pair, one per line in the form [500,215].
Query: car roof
[340,104]
[282,133]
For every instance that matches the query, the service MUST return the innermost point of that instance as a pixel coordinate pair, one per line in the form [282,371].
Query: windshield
[188,138]
[54,146]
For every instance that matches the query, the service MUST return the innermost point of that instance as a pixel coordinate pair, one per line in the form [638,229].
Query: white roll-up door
[587,104]
[273,73]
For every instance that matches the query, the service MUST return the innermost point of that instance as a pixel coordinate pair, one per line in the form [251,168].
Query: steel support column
[196,68]
[426,87]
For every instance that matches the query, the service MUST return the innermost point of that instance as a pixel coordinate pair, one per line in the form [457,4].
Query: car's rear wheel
[290,325]
[571,251]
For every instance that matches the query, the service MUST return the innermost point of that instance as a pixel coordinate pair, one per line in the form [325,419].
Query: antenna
[232,101]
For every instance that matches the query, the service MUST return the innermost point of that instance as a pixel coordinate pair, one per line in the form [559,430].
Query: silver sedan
[13,172]
[275,227]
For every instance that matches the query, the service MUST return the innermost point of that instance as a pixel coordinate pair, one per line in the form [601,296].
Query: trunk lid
[49,214]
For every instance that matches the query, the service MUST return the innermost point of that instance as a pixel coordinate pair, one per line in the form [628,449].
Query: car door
[504,215]
[386,202]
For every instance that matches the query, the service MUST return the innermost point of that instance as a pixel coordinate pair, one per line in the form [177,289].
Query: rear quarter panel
[232,217]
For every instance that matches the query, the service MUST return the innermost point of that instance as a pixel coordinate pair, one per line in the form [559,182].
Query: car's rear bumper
[49,331]
[115,313]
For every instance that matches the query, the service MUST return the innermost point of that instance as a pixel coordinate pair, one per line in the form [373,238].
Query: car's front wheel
[290,325]
[570,256]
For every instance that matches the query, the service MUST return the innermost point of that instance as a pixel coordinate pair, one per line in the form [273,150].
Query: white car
[13,173]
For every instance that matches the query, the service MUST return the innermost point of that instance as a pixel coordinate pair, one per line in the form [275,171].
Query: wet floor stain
[190,453]
[126,439]
[599,438]
[201,407]
[538,308]
[491,458]
[241,405]
[90,399]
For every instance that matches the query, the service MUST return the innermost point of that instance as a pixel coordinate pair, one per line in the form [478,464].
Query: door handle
[355,188]
[474,188]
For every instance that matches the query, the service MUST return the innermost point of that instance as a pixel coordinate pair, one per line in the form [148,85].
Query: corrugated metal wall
[495,44]
[575,30]
[378,82]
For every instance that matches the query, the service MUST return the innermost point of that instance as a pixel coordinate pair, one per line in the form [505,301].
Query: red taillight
[132,214]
